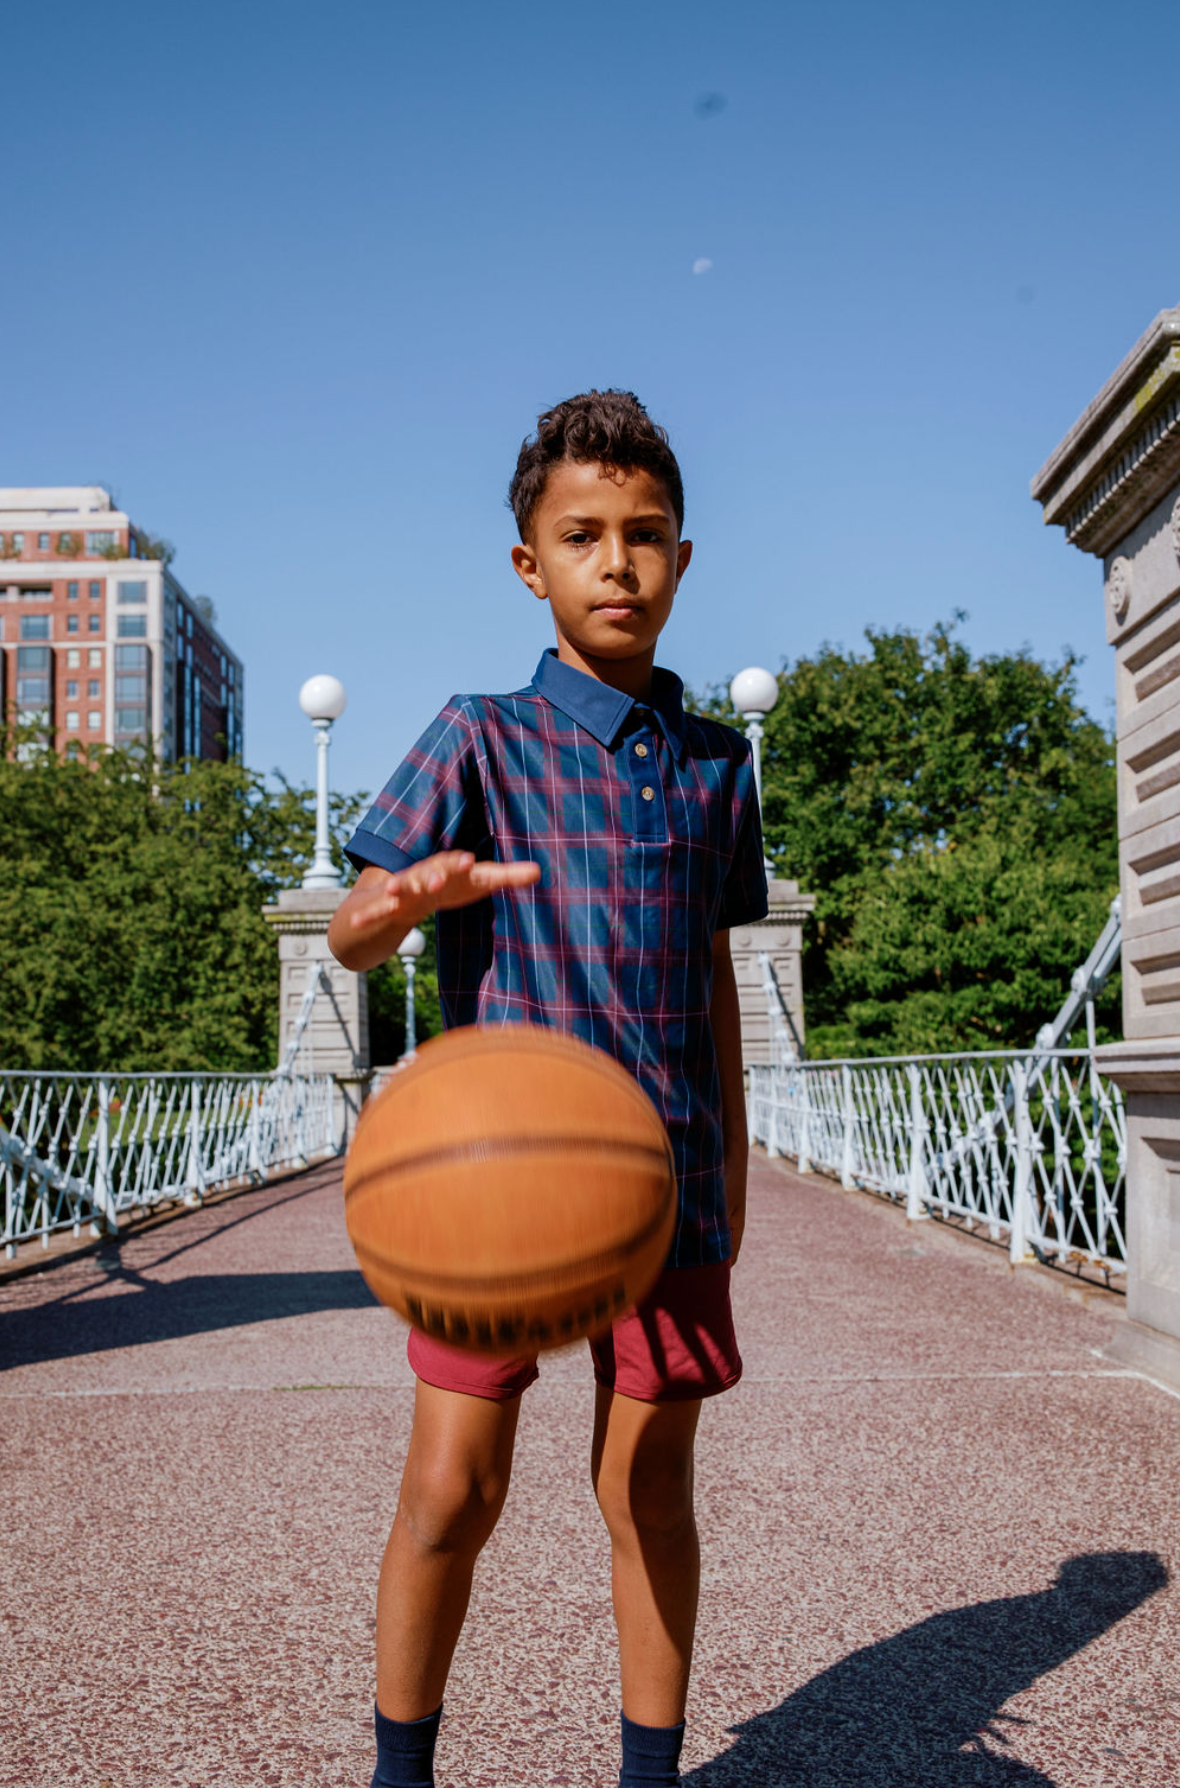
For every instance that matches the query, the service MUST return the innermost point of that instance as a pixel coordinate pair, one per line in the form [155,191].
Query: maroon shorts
[678,1343]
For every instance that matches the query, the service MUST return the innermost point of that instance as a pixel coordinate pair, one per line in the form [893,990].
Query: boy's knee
[653,1501]
[447,1507]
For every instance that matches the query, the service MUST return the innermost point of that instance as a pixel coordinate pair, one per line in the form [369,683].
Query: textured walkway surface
[942,1533]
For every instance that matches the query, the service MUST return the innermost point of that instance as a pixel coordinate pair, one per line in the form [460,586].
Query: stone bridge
[939,1522]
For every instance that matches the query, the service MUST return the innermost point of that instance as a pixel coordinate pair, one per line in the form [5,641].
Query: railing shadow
[924,1709]
[170,1310]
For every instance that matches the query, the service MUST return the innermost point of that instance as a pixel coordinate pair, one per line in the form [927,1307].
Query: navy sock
[405,1751]
[651,1755]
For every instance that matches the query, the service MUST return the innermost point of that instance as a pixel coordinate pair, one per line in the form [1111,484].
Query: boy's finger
[505,875]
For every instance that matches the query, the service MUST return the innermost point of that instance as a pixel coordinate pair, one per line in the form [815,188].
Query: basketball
[510,1190]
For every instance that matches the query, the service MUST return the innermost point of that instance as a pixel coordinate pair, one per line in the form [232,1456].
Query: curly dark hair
[611,427]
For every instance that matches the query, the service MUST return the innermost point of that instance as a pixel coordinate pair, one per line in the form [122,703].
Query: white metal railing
[1030,1146]
[81,1148]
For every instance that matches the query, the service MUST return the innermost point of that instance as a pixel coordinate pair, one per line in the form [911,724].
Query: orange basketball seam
[540,1278]
[480,1148]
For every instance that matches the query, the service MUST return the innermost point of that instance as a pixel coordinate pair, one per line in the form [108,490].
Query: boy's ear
[528,568]
[683,555]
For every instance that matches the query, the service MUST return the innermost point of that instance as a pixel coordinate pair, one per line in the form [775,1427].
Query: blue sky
[296,279]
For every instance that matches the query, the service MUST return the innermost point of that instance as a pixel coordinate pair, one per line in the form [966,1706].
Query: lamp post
[408,951]
[322,699]
[753,693]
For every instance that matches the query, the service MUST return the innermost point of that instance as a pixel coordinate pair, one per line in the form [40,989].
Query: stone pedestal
[780,935]
[336,1040]
[1114,486]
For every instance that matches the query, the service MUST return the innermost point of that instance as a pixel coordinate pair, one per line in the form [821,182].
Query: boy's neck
[630,676]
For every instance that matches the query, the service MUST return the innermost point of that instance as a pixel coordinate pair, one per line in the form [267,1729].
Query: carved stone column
[337,1038]
[780,934]
[1114,486]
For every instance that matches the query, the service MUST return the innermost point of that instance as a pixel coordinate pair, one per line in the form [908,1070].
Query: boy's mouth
[619,611]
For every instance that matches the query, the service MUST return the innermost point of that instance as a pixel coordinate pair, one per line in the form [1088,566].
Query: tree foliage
[130,910]
[955,818]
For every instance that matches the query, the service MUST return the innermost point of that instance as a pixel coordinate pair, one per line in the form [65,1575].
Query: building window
[94,689]
[72,690]
[94,720]
[34,667]
[18,543]
[94,657]
[130,720]
[94,623]
[135,592]
[71,720]
[129,689]
[43,543]
[34,626]
[72,592]
[95,590]
[101,542]
[131,658]
[67,545]
[73,659]
[71,623]
[131,626]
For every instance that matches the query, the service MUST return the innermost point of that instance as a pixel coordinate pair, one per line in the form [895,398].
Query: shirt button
[641,751]
[649,794]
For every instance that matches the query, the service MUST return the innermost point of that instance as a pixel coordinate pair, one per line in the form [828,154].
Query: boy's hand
[384,905]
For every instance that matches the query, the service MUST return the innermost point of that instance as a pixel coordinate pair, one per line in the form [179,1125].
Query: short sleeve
[432,802]
[743,893]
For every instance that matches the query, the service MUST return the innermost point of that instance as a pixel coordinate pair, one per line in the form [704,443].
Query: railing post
[105,1221]
[254,1146]
[1018,1251]
[915,1203]
[195,1176]
[847,1179]
[803,1160]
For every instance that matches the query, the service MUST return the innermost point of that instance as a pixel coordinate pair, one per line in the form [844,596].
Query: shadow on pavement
[923,1709]
[167,1310]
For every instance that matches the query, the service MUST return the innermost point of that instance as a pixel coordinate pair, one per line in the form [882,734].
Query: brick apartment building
[100,643]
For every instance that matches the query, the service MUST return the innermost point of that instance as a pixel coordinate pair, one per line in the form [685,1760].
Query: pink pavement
[941,1530]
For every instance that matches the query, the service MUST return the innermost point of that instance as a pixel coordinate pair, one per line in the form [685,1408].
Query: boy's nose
[618,560]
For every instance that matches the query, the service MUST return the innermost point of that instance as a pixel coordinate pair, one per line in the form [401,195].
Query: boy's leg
[642,1467]
[453,1489]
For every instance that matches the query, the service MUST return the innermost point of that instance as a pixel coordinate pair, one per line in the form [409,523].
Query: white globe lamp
[322,699]
[753,693]
[409,950]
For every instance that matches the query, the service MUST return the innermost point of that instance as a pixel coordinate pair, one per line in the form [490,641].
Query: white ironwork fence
[1030,1146]
[81,1148]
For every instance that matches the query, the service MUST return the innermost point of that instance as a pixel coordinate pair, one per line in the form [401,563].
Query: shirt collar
[604,711]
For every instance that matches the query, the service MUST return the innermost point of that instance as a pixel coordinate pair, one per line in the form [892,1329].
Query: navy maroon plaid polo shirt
[645,824]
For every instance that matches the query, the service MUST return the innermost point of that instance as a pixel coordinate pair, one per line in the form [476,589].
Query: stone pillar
[780,934]
[336,1040]
[1114,486]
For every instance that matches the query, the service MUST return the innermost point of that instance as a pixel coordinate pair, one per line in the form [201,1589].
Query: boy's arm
[384,905]
[726,1020]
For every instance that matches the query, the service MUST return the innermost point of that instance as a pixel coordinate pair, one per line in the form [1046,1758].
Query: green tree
[955,818]
[130,909]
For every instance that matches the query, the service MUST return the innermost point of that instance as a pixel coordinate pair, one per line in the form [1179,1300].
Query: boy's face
[606,555]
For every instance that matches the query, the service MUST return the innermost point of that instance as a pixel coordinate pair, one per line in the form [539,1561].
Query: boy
[586,845]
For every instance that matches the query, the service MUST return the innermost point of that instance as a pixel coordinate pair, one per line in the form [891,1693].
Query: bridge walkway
[940,1530]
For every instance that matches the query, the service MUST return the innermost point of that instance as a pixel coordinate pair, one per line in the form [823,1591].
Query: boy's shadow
[924,1708]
